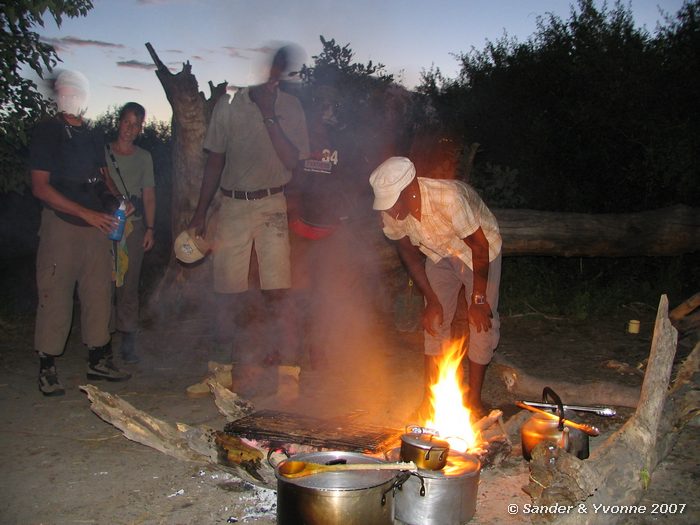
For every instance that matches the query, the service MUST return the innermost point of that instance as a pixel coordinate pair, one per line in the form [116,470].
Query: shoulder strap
[116,168]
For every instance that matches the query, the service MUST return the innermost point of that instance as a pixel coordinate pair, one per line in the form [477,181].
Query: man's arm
[264,96]
[210,183]
[479,314]
[43,191]
[414,261]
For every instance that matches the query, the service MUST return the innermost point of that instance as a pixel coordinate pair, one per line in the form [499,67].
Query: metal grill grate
[280,428]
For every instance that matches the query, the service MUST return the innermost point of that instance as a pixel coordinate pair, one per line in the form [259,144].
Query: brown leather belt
[252,195]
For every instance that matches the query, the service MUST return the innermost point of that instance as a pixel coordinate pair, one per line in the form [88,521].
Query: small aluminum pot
[427,451]
[360,497]
[445,497]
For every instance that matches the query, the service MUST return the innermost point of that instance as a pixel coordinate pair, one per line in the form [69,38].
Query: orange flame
[450,417]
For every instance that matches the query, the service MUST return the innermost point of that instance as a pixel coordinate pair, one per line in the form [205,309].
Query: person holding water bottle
[131,169]
[69,175]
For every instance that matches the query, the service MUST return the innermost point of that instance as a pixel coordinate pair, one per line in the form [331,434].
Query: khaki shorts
[242,224]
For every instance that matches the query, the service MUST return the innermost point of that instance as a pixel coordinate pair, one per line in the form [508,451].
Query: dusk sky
[225,40]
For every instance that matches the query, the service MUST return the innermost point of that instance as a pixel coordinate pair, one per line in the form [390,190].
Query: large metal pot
[427,451]
[542,429]
[444,497]
[363,497]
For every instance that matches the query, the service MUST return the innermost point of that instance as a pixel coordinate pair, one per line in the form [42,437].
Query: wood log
[667,231]
[197,444]
[619,470]
[530,387]
[686,316]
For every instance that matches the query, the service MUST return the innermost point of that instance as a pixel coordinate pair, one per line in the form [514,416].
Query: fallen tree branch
[197,444]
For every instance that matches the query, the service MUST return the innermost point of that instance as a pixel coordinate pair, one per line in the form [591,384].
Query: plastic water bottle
[118,231]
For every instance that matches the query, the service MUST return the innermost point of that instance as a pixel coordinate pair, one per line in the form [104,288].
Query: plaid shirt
[450,211]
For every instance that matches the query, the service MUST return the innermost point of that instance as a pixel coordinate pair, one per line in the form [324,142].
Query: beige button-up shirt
[450,211]
[237,129]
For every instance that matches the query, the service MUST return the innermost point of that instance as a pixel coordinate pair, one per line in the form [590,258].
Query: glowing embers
[449,416]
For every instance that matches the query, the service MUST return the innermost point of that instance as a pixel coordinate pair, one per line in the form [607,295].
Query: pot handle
[549,393]
[403,477]
[272,451]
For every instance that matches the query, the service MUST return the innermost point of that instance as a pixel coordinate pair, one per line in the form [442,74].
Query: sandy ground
[62,464]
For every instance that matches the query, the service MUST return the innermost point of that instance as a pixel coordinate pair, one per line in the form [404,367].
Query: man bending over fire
[448,222]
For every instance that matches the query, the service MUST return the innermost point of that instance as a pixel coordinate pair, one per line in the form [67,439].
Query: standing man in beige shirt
[253,143]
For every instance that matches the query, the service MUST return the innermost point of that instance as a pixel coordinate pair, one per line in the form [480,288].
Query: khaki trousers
[70,255]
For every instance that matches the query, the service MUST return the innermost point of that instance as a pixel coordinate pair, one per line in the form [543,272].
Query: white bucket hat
[190,248]
[389,180]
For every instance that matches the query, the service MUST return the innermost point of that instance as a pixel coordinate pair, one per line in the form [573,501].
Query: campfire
[450,418]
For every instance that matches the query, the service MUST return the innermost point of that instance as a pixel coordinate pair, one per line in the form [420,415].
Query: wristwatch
[478,298]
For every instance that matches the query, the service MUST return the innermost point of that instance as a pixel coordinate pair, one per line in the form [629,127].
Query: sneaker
[105,369]
[49,385]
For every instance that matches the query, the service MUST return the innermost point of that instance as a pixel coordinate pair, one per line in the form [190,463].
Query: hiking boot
[128,348]
[101,366]
[49,385]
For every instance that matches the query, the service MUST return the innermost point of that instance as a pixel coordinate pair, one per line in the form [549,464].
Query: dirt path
[64,465]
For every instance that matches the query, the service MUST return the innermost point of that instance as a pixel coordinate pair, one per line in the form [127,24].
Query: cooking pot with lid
[427,451]
[356,497]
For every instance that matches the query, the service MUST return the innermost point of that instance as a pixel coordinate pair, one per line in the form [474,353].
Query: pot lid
[425,441]
[343,480]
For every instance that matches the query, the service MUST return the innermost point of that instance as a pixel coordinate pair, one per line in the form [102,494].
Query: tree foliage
[21,104]
[594,114]
[373,108]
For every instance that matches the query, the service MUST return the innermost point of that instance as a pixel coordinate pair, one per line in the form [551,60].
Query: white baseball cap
[190,248]
[389,180]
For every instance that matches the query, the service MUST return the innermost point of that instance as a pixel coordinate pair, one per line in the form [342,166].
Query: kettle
[540,428]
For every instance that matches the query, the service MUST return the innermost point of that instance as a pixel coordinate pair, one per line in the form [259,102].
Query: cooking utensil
[349,497]
[598,410]
[299,469]
[427,451]
[587,429]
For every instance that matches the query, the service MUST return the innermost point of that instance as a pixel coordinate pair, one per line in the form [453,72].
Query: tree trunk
[666,231]
[191,114]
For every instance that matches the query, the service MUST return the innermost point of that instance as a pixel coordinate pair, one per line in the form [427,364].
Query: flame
[450,417]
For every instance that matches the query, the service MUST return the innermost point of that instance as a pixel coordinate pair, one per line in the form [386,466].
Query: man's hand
[264,97]
[198,225]
[432,317]
[102,221]
[480,316]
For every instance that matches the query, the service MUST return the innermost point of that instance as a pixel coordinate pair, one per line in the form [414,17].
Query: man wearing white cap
[447,222]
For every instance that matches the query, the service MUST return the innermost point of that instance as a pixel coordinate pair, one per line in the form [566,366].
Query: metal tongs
[599,410]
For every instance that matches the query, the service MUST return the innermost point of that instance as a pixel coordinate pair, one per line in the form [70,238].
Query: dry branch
[196,444]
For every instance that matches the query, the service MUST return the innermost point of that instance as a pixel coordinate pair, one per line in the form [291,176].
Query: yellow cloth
[121,260]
